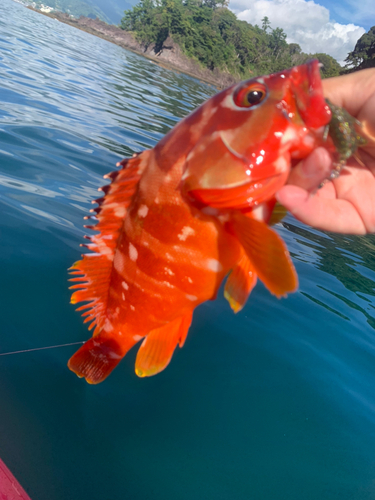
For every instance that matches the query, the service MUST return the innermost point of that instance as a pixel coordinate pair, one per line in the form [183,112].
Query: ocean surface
[275,403]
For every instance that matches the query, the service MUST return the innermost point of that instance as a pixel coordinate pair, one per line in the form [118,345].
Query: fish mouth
[306,85]
[240,197]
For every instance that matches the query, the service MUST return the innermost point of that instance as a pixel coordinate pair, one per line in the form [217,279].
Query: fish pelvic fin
[278,214]
[240,282]
[157,348]
[92,274]
[96,359]
[267,253]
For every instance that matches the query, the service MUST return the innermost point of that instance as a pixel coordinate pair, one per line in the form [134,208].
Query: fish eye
[251,95]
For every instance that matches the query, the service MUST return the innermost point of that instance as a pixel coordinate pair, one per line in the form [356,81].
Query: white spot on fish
[260,212]
[113,355]
[278,135]
[189,280]
[107,326]
[193,298]
[308,141]
[289,135]
[132,308]
[133,252]
[119,262]
[281,164]
[169,271]
[119,211]
[137,337]
[167,284]
[185,232]
[125,285]
[143,211]
[260,80]
[102,247]
[259,160]
[214,265]
[123,296]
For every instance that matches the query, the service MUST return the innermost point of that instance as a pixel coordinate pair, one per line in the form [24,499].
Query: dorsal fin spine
[93,272]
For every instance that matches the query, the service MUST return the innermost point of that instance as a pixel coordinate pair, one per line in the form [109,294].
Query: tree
[211,34]
[266,24]
[330,66]
[363,55]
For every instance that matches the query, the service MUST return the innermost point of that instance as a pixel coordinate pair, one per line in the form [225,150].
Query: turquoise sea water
[275,403]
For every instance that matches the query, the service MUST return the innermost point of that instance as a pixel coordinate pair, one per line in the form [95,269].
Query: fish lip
[306,85]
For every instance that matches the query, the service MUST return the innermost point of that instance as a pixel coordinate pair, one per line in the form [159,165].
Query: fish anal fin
[96,359]
[268,254]
[184,328]
[93,272]
[240,282]
[157,348]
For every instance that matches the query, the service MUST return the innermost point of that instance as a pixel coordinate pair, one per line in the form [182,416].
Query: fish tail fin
[96,359]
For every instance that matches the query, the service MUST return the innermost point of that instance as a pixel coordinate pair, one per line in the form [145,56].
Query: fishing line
[41,348]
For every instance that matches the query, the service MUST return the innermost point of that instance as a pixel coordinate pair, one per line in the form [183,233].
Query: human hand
[345,204]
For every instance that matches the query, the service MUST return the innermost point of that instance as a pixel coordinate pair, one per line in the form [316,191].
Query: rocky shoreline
[169,56]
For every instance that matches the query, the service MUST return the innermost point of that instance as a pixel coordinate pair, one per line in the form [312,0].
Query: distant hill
[113,9]
[110,11]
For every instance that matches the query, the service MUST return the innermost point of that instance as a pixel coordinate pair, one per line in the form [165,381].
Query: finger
[328,214]
[351,91]
[312,171]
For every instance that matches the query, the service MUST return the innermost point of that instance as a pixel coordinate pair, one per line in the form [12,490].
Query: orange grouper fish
[177,219]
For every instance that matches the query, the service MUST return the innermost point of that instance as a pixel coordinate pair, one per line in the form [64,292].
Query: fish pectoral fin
[157,348]
[98,357]
[268,254]
[240,282]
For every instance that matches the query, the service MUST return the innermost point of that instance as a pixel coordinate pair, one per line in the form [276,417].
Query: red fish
[177,219]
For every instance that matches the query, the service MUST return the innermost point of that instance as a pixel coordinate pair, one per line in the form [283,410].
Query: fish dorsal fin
[157,348]
[95,268]
[240,282]
[268,254]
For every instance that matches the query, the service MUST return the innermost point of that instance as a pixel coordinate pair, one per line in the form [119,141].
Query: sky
[330,26]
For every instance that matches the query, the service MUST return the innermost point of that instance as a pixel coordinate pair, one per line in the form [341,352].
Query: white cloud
[305,22]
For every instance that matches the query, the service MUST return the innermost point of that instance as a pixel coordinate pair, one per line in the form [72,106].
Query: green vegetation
[212,35]
[363,55]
